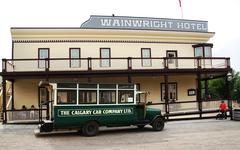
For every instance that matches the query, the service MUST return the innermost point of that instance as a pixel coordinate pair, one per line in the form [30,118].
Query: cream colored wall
[61,50]
[108,34]
[25,93]
[26,90]
[152,84]
[28,46]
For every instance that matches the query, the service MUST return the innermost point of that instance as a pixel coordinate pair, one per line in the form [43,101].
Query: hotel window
[171,55]
[203,50]
[43,53]
[172,92]
[146,57]
[198,51]
[207,51]
[105,56]
[74,55]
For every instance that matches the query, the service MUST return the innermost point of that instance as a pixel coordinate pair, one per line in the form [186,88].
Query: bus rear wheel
[90,128]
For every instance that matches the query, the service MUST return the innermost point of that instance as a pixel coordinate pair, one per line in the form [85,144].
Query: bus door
[141,107]
[44,109]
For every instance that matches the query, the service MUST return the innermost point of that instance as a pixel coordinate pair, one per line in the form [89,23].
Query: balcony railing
[118,63]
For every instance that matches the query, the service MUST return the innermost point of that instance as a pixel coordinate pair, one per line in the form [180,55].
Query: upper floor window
[198,52]
[74,54]
[208,51]
[43,53]
[105,55]
[171,55]
[203,50]
[146,57]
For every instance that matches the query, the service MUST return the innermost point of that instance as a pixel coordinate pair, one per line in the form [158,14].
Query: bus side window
[107,97]
[88,97]
[66,97]
[125,96]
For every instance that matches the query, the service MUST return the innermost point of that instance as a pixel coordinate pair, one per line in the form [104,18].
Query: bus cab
[87,106]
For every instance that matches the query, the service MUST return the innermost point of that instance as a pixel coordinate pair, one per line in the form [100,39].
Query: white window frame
[41,63]
[146,57]
[106,62]
[74,63]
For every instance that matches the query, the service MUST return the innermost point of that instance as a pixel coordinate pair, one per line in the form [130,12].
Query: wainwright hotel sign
[142,23]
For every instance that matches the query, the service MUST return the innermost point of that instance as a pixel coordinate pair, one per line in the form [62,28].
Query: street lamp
[229,79]
[229,76]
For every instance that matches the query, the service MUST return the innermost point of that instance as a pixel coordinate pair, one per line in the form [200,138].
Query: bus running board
[47,126]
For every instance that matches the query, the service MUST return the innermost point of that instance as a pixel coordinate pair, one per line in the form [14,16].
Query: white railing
[23,115]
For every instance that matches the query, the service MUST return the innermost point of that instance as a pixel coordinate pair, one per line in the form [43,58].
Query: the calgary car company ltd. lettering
[86,112]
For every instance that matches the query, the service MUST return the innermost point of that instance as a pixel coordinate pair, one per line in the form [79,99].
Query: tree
[217,87]
[235,89]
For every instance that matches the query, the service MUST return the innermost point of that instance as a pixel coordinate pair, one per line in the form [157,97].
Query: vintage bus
[86,107]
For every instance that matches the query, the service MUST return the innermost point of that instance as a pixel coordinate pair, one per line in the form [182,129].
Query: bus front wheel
[90,128]
[158,124]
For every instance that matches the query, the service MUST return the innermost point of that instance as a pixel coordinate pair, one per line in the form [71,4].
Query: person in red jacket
[223,109]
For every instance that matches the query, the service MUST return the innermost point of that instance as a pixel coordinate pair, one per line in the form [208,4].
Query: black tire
[158,124]
[140,126]
[90,128]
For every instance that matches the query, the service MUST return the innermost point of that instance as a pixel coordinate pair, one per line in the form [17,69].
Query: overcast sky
[223,17]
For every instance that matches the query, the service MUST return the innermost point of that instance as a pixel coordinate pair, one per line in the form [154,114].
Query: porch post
[166,95]
[47,117]
[129,78]
[4,101]
[12,95]
[206,89]
[199,100]
[48,99]
[39,107]
[228,96]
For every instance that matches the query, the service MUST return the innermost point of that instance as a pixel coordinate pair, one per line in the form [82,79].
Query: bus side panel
[76,116]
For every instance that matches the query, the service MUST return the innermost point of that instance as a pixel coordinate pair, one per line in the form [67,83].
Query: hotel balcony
[116,65]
